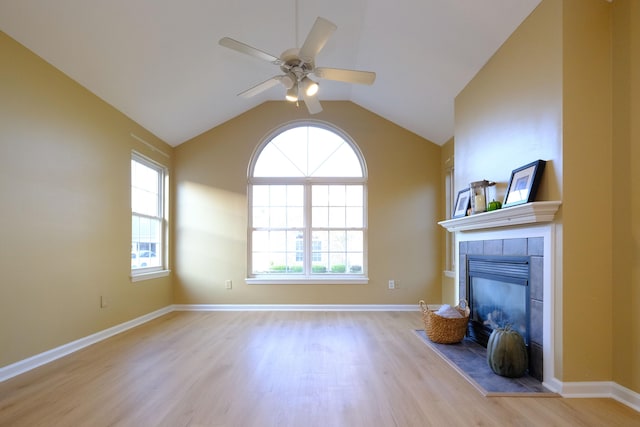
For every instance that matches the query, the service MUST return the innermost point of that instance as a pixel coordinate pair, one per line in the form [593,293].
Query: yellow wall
[510,113]
[587,244]
[626,192]
[65,216]
[404,190]
[631,376]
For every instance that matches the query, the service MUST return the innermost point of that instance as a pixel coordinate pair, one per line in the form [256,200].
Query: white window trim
[450,199]
[148,273]
[310,278]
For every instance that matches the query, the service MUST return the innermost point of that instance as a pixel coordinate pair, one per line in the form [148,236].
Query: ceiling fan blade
[316,39]
[248,50]
[348,76]
[260,87]
[312,103]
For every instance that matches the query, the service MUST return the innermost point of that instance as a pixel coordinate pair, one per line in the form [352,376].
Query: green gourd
[507,353]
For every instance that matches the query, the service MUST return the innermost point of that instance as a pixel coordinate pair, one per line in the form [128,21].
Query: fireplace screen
[498,295]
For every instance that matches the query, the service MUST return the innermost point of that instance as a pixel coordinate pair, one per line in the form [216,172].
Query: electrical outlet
[228,284]
[103,302]
[392,284]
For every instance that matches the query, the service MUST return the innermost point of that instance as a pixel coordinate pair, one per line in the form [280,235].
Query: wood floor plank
[262,369]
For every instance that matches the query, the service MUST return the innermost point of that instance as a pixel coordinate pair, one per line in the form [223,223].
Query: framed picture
[523,184]
[462,203]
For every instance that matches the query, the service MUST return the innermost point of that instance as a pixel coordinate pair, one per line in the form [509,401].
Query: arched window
[307,207]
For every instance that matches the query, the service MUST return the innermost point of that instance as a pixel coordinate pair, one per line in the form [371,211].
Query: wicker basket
[445,330]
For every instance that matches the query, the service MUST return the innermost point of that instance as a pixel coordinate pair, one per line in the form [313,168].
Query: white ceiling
[159,62]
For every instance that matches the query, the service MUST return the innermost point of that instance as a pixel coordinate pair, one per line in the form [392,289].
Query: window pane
[295,216]
[276,252]
[320,217]
[260,242]
[338,252]
[260,216]
[145,190]
[278,217]
[273,162]
[336,217]
[354,217]
[354,195]
[260,195]
[146,248]
[278,195]
[330,155]
[355,241]
[319,250]
[307,151]
[278,206]
[337,241]
[320,195]
[338,263]
[337,195]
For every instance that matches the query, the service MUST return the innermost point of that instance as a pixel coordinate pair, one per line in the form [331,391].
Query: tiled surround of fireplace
[532,247]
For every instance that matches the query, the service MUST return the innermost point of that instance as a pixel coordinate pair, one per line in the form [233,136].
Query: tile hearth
[470,360]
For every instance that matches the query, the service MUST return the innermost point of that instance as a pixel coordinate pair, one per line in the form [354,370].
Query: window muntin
[147,215]
[307,206]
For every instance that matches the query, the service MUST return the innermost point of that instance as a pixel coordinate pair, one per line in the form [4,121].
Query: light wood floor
[275,369]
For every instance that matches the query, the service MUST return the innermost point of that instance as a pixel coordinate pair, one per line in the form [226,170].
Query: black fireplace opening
[498,295]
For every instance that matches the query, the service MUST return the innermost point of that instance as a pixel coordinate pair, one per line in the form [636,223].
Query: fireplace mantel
[528,213]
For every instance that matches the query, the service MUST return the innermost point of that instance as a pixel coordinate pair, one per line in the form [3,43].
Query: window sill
[307,280]
[150,275]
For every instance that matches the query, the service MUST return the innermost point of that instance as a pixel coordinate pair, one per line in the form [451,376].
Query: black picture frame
[463,202]
[523,184]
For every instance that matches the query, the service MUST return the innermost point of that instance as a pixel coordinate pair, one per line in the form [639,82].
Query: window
[450,199]
[307,208]
[148,225]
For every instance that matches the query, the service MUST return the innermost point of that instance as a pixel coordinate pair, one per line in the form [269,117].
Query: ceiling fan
[297,64]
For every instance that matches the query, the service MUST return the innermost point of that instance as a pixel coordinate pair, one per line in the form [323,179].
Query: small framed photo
[524,183]
[462,203]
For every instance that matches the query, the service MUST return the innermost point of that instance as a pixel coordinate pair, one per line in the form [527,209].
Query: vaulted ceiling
[159,62]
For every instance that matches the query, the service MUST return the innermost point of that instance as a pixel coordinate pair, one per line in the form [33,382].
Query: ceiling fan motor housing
[293,64]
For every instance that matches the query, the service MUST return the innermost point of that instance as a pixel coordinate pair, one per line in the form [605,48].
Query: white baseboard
[595,389]
[33,362]
[626,396]
[586,389]
[296,307]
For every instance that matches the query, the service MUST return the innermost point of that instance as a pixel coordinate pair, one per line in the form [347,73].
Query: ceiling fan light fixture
[292,93]
[310,87]
[287,81]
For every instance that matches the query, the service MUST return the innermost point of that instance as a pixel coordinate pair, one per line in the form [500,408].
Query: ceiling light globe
[292,93]
[312,88]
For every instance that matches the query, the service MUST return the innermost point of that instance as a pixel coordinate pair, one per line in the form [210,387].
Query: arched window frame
[307,276]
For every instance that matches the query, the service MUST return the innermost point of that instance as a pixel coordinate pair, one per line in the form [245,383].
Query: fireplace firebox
[528,254]
[498,293]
